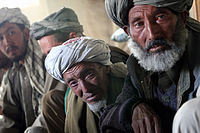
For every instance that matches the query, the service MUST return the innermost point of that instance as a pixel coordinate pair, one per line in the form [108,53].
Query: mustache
[11,47]
[156,42]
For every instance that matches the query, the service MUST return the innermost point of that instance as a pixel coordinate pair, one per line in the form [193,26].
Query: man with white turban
[165,50]
[24,82]
[54,30]
[84,65]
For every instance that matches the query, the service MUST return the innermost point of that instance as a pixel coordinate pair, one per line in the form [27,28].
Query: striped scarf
[34,65]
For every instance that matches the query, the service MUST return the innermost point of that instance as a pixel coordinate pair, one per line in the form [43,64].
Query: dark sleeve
[117,117]
[13,116]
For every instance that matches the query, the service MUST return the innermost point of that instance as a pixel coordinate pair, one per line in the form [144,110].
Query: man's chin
[97,106]
[160,59]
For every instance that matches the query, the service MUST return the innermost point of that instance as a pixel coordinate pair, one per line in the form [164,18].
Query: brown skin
[13,40]
[147,23]
[49,41]
[88,81]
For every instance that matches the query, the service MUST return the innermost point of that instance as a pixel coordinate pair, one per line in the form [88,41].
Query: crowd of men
[58,80]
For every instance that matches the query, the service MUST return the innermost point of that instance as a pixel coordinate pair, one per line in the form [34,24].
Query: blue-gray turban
[64,20]
[118,10]
[75,50]
[13,15]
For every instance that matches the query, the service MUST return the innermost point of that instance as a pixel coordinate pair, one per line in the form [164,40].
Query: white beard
[163,60]
[97,106]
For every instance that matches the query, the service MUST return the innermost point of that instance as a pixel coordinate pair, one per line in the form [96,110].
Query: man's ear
[72,35]
[126,28]
[26,33]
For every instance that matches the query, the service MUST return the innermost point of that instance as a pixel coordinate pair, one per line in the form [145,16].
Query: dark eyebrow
[85,71]
[69,80]
[82,74]
[135,19]
[160,10]
[9,28]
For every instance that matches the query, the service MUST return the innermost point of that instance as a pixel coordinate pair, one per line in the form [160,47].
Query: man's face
[13,41]
[88,81]
[47,42]
[155,37]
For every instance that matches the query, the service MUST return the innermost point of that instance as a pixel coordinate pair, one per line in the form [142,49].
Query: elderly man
[53,30]
[84,65]
[24,82]
[166,69]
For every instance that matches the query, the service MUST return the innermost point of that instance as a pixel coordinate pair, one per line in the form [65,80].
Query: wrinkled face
[13,41]
[88,81]
[148,23]
[47,42]
[158,37]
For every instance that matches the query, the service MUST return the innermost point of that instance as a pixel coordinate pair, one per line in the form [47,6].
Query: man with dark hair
[54,30]
[165,50]
[24,82]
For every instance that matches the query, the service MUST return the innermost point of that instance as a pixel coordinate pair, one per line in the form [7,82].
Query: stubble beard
[23,54]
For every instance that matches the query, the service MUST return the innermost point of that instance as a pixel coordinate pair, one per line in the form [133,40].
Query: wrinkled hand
[145,120]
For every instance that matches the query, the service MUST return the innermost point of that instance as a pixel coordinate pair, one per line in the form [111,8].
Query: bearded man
[24,81]
[164,46]
[84,65]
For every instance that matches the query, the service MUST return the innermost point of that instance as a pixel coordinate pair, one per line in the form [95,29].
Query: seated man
[50,33]
[24,82]
[84,65]
[163,70]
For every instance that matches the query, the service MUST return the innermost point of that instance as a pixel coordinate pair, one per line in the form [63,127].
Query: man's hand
[145,120]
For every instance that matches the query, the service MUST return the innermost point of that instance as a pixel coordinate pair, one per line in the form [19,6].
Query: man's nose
[152,30]
[85,86]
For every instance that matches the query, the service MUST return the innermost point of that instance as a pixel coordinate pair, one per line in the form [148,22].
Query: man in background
[24,82]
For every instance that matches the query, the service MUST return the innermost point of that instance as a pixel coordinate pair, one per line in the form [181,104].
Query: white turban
[75,50]
[13,15]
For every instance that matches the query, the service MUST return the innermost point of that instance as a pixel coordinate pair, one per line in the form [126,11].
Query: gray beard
[97,106]
[162,60]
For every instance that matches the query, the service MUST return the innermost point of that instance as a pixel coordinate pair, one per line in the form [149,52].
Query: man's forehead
[147,8]
[78,67]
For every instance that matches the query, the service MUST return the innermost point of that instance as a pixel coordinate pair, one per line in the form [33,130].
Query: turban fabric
[13,15]
[64,20]
[118,10]
[75,50]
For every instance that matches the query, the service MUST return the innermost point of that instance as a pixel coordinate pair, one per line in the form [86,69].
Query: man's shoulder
[118,55]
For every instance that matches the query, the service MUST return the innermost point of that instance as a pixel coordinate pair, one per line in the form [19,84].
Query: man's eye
[90,75]
[73,83]
[138,24]
[11,33]
[160,17]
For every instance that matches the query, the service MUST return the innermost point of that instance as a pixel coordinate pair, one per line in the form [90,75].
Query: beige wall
[91,14]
